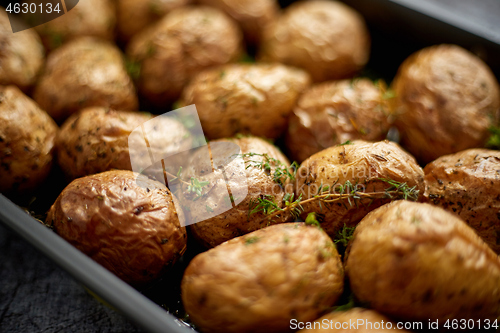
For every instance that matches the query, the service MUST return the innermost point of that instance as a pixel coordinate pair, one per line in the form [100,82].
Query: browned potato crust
[93,18]
[415,261]
[447,99]
[339,321]
[83,73]
[180,45]
[27,136]
[468,184]
[326,38]
[363,163]
[132,231]
[97,139]
[245,98]
[22,55]
[259,282]
[335,112]
[133,15]
[236,221]
[252,15]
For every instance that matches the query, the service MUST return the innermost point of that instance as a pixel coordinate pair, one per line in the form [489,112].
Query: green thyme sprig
[494,139]
[344,236]
[279,171]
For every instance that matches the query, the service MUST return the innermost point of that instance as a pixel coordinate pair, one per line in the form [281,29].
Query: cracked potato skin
[183,43]
[359,162]
[414,261]
[446,101]
[132,231]
[260,281]
[334,112]
[83,73]
[27,140]
[326,38]
[253,99]
[468,184]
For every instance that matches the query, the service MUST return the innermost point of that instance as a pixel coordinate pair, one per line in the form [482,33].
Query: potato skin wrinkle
[414,261]
[260,281]
[468,184]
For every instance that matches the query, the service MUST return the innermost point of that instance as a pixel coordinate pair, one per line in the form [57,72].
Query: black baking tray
[398,28]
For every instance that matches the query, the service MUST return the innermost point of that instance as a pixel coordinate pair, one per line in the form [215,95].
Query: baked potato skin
[446,100]
[252,99]
[259,282]
[83,73]
[468,184]
[326,38]
[27,139]
[132,231]
[184,42]
[362,163]
[415,261]
[334,112]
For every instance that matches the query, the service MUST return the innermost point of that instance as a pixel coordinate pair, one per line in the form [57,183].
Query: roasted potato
[131,230]
[252,15]
[414,261]
[353,320]
[326,38]
[83,73]
[92,18]
[259,282]
[369,169]
[334,112]
[468,184]
[27,138]
[180,45]
[22,55]
[446,100]
[245,98]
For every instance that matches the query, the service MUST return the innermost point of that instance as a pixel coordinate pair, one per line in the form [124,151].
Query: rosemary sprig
[280,173]
[344,236]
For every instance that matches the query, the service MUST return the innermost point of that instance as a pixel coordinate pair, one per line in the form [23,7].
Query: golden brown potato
[335,112]
[354,320]
[83,73]
[245,98]
[97,139]
[259,182]
[447,99]
[414,261]
[361,167]
[326,38]
[133,15]
[131,230]
[252,15]
[93,18]
[468,184]
[259,282]
[27,138]
[180,45]
[22,55]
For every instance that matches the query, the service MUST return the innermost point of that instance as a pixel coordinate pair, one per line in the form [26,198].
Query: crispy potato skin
[92,18]
[334,112]
[132,231]
[326,38]
[97,139]
[340,318]
[180,45]
[252,15]
[27,139]
[415,261]
[360,162]
[258,282]
[241,98]
[447,99]
[83,73]
[468,184]
[236,222]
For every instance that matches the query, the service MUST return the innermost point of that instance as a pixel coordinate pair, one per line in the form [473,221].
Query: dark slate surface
[38,296]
